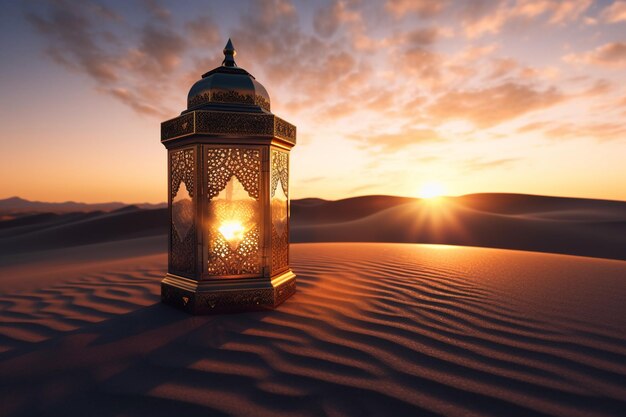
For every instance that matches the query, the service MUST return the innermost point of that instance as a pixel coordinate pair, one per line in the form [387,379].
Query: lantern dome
[228,87]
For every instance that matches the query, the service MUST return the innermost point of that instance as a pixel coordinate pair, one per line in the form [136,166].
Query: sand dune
[52,231]
[513,221]
[17,206]
[374,329]
[535,223]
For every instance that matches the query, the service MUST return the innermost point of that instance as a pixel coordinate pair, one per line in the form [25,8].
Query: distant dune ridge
[514,221]
[19,205]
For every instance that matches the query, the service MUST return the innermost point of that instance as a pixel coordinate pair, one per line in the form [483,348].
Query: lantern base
[227,295]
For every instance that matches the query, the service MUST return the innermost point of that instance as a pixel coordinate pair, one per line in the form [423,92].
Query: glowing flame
[232,230]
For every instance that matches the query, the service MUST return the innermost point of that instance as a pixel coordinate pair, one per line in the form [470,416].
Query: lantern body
[228,175]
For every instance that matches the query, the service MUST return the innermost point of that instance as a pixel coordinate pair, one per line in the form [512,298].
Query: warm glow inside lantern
[228,197]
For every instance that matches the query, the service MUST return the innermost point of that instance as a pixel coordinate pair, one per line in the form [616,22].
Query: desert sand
[374,329]
[510,221]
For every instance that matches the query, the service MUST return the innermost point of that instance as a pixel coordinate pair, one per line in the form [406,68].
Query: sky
[389,97]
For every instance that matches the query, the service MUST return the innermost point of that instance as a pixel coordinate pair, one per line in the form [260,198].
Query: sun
[431,190]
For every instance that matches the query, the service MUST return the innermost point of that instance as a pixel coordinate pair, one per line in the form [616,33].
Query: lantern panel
[279,206]
[182,212]
[233,211]
[182,222]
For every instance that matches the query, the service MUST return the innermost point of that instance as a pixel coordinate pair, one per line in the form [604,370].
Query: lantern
[228,173]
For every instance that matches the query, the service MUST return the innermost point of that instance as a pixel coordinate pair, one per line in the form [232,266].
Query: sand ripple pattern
[374,330]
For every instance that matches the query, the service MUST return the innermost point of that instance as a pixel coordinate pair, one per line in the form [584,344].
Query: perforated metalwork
[223,163]
[262,102]
[243,259]
[280,209]
[280,171]
[280,249]
[182,212]
[233,216]
[183,255]
[182,223]
[284,129]
[182,169]
[232,96]
[229,123]
[179,126]
[211,122]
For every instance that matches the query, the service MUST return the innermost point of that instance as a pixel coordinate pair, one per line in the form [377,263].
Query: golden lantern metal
[228,175]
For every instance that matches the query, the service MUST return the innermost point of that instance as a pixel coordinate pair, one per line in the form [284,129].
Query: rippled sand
[374,329]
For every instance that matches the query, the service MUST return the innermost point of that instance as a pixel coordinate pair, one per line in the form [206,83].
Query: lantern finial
[229,55]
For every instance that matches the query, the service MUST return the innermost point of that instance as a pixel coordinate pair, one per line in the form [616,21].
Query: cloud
[480,164]
[599,87]
[602,132]
[312,179]
[481,17]
[423,8]
[136,103]
[204,31]
[162,49]
[362,188]
[472,53]
[135,67]
[502,67]
[391,142]
[614,13]
[568,11]
[344,68]
[324,77]
[533,127]
[511,68]
[328,19]
[143,66]
[422,36]
[103,11]
[349,19]
[490,106]
[73,44]
[414,52]
[157,10]
[478,19]
[609,55]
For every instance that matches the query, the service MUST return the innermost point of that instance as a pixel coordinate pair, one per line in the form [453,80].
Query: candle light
[232,230]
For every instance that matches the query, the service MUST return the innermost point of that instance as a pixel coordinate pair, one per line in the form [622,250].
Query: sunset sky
[388,97]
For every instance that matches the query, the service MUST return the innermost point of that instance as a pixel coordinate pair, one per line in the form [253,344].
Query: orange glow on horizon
[431,190]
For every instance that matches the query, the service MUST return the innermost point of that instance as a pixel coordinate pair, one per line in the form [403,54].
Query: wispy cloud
[481,18]
[614,13]
[611,55]
[422,8]
[135,72]
[400,140]
[598,131]
[344,65]
[493,105]
[74,43]
[479,164]
[606,131]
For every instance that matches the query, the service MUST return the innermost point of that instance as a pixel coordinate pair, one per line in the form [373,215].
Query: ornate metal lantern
[228,171]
